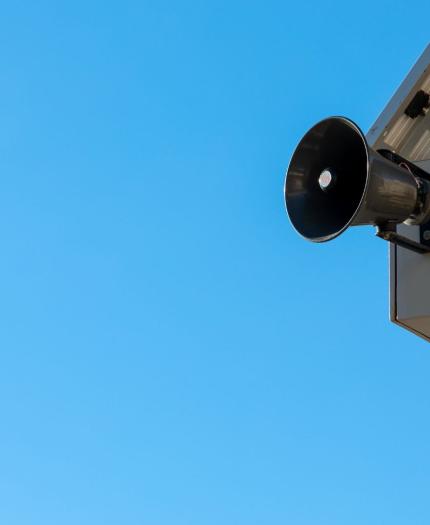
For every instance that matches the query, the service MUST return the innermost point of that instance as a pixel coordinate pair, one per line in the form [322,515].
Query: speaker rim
[360,133]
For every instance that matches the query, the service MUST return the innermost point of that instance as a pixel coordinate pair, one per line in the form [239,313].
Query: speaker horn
[335,180]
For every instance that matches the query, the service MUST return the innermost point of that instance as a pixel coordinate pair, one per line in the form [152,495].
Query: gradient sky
[172,353]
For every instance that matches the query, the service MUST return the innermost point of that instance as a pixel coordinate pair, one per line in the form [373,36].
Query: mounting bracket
[388,233]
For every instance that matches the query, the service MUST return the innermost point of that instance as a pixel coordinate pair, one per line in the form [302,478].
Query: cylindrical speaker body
[336,180]
[391,193]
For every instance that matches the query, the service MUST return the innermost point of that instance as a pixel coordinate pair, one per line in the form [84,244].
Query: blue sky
[171,351]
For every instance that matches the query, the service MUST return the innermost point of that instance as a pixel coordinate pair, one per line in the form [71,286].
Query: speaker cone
[336,180]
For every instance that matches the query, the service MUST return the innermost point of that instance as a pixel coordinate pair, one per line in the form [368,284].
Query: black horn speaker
[335,180]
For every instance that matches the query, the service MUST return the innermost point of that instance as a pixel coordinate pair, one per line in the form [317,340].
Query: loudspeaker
[335,180]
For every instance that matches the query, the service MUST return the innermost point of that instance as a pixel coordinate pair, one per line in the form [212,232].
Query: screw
[426,235]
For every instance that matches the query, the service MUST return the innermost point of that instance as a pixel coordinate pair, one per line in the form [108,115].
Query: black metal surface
[369,188]
[394,237]
[336,145]
[398,159]
[424,245]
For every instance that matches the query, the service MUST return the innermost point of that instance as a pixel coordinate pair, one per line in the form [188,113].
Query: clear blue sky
[172,353]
